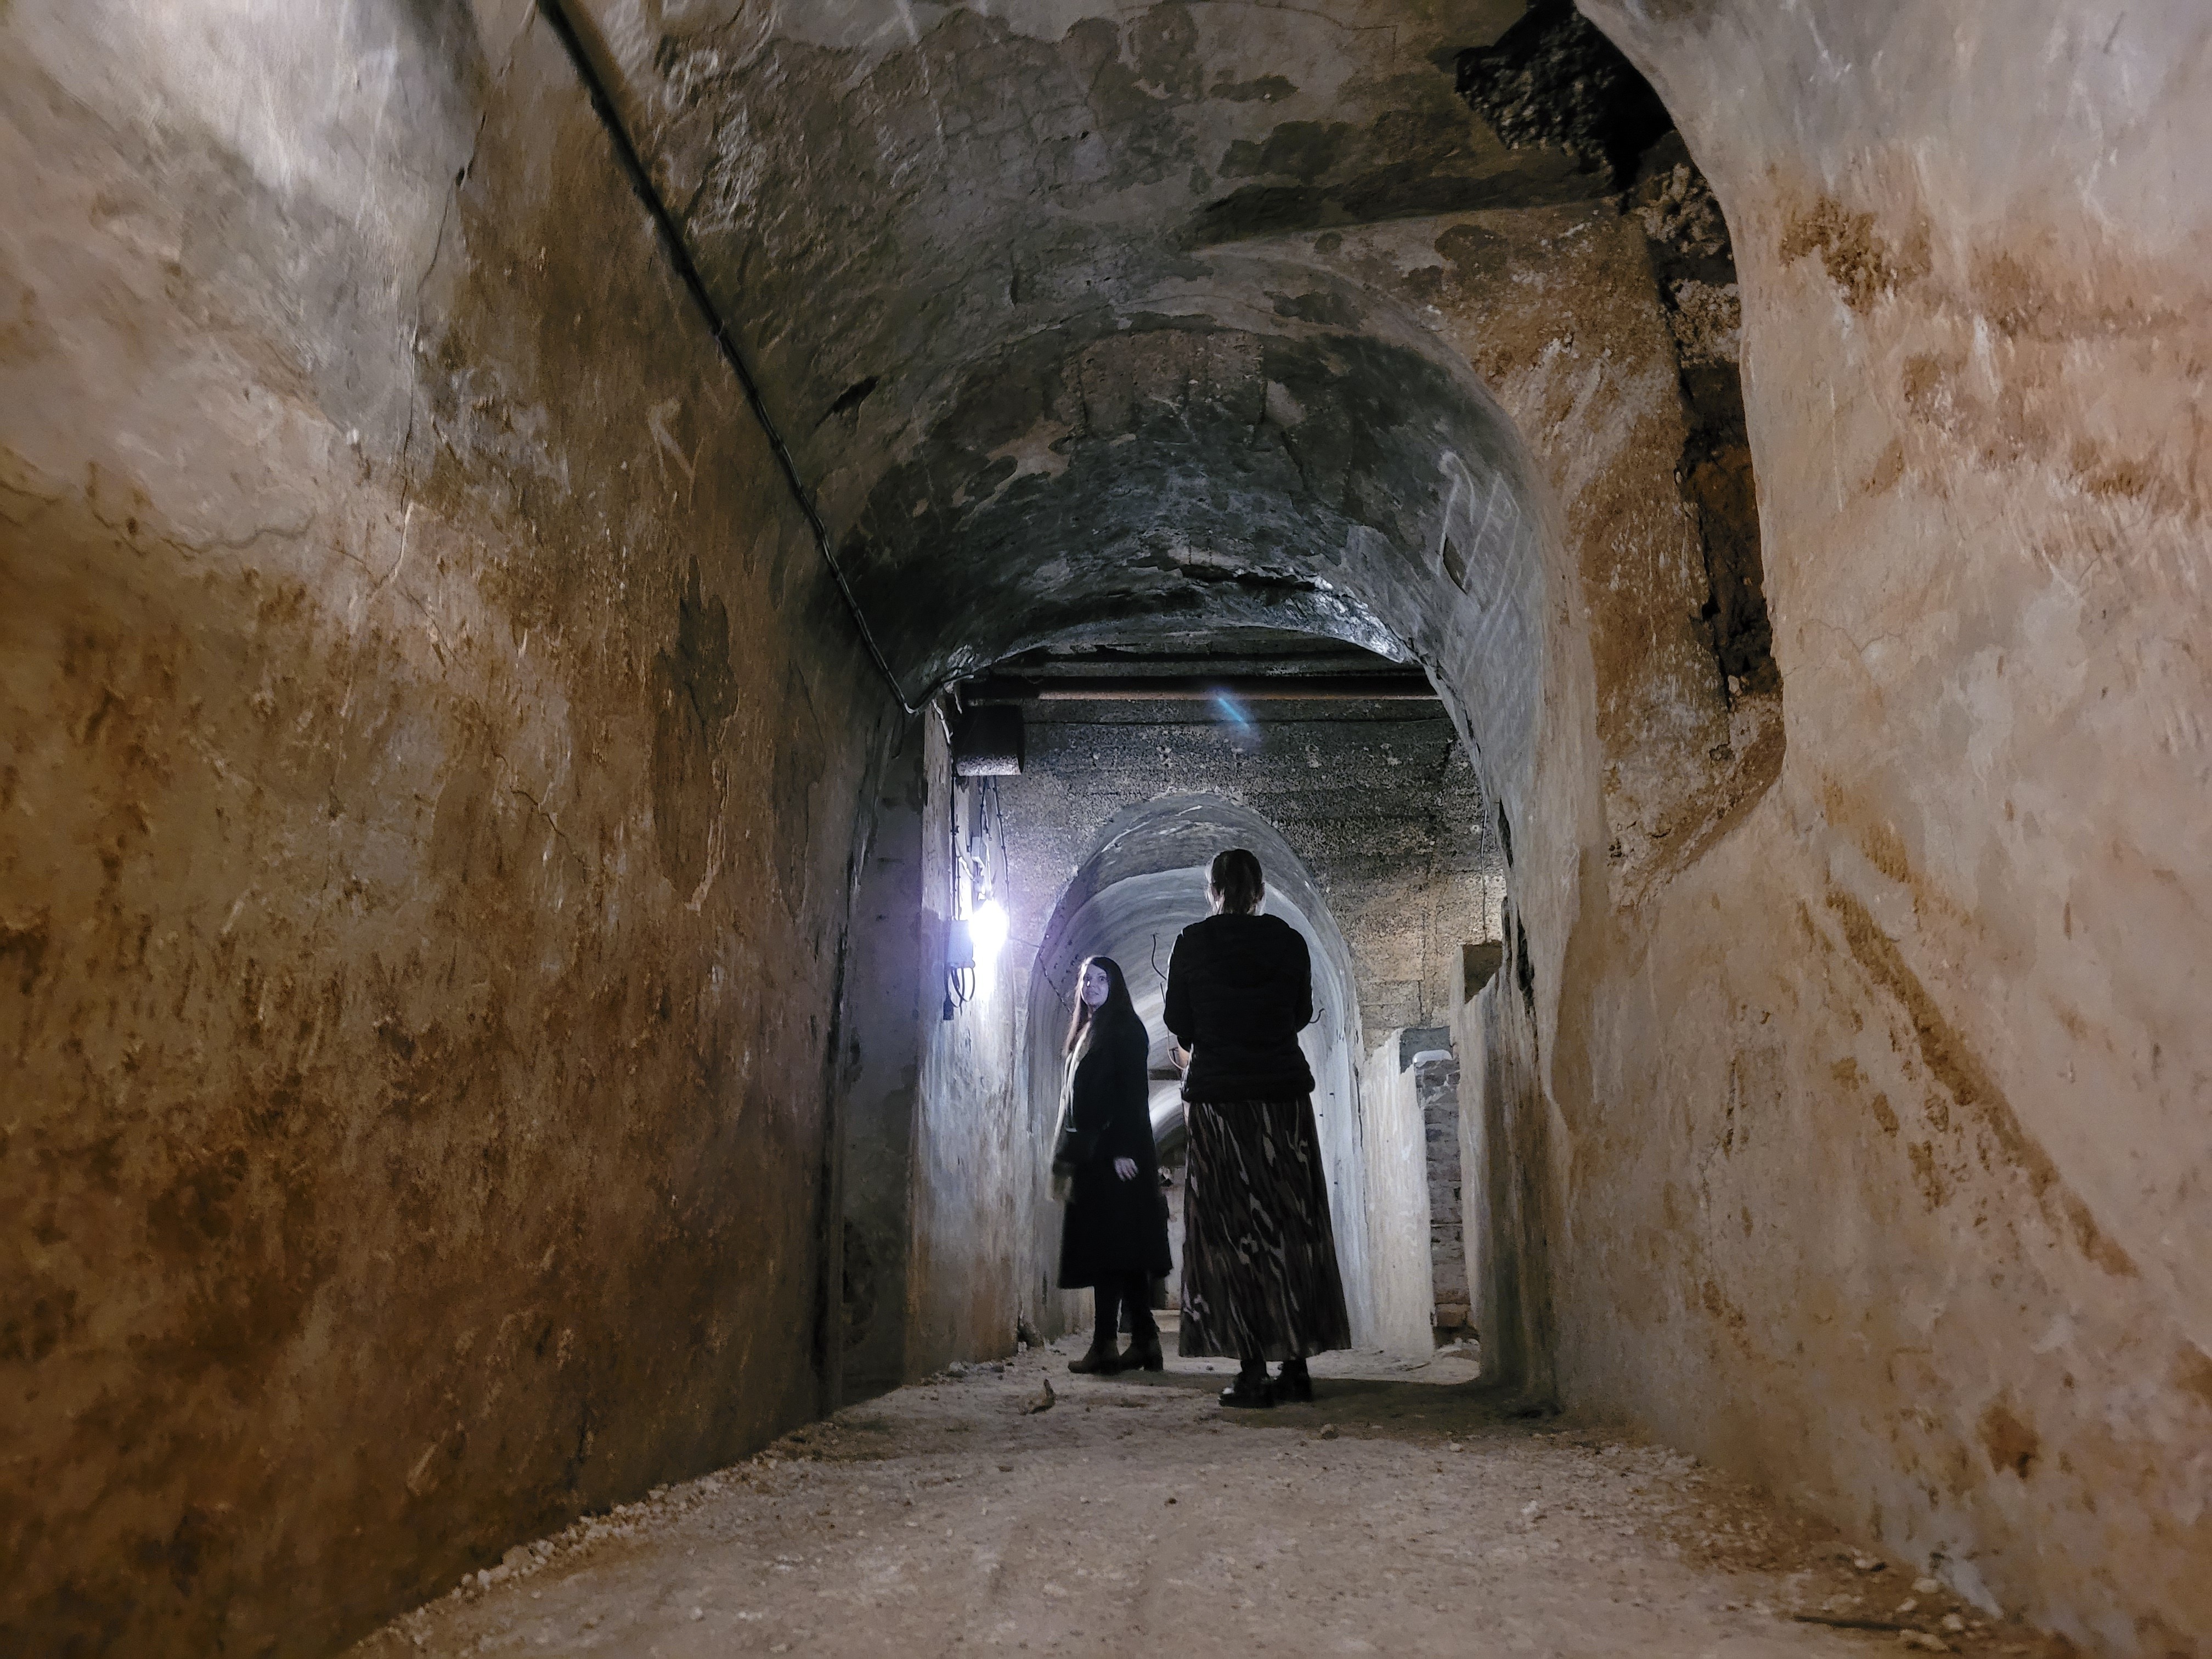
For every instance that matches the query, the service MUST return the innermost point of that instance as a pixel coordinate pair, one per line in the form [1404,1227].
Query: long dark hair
[1108,1014]
[1235,881]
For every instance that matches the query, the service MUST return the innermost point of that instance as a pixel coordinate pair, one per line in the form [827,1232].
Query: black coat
[1240,989]
[1112,1225]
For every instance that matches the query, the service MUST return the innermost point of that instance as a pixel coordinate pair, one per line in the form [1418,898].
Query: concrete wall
[1397,1168]
[1332,1055]
[431,750]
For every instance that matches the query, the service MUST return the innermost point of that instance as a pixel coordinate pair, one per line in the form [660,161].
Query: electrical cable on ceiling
[560,18]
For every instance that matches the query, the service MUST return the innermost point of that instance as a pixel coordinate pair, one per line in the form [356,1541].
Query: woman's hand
[1126,1167]
[1179,1056]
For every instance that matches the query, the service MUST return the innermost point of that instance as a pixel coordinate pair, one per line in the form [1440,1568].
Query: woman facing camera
[1259,1278]
[1114,1237]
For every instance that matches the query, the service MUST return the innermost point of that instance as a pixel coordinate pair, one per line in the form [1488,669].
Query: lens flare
[987,927]
[1243,730]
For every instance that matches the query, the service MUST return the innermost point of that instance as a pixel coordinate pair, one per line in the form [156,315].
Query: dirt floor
[1407,1510]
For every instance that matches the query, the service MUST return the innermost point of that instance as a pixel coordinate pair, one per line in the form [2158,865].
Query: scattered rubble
[939,1511]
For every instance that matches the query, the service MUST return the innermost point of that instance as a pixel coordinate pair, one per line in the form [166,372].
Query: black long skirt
[1260,1276]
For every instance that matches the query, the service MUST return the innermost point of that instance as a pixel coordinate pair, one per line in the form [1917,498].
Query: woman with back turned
[1114,1237]
[1259,1278]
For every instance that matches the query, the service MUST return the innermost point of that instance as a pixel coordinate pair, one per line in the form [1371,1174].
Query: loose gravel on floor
[1407,1510]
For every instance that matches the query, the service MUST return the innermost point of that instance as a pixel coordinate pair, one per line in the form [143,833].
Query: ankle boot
[1145,1351]
[1100,1361]
[1295,1383]
[1105,1332]
[1251,1388]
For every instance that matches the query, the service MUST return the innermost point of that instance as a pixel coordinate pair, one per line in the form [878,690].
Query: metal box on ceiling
[988,743]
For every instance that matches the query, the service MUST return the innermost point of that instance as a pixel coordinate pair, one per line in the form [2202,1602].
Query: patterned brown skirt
[1260,1276]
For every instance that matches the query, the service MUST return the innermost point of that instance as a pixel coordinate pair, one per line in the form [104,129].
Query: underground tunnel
[605,598]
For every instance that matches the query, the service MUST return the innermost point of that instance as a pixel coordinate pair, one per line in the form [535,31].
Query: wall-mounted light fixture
[986,744]
[987,934]
[959,963]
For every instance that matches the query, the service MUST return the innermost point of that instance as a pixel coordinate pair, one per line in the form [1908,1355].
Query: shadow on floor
[1357,1406]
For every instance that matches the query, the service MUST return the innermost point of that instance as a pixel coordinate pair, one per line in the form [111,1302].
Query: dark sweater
[1240,989]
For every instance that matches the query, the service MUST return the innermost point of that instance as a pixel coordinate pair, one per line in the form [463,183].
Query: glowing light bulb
[987,927]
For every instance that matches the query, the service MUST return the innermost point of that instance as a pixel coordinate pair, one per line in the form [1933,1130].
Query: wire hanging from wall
[973,897]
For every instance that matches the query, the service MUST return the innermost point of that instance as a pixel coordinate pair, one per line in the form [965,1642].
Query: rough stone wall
[1511,1208]
[1558,308]
[427,750]
[1886,1160]
[892,986]
[972,1185]
[414,873]
[1436,1088]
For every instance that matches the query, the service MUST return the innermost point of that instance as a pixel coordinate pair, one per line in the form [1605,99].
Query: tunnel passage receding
[430,1046]
[1142,885]
[1190,314]
[1198,323]
[1125,386]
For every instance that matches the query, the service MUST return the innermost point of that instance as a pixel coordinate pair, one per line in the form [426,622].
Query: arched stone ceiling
[1180,832]
[1142,883]
[1026,290]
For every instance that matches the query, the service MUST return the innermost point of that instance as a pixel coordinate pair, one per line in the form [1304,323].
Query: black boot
[1251,1386]
[1097,1362]
[1295,1383]
[1101,1360]
[1144,1330]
